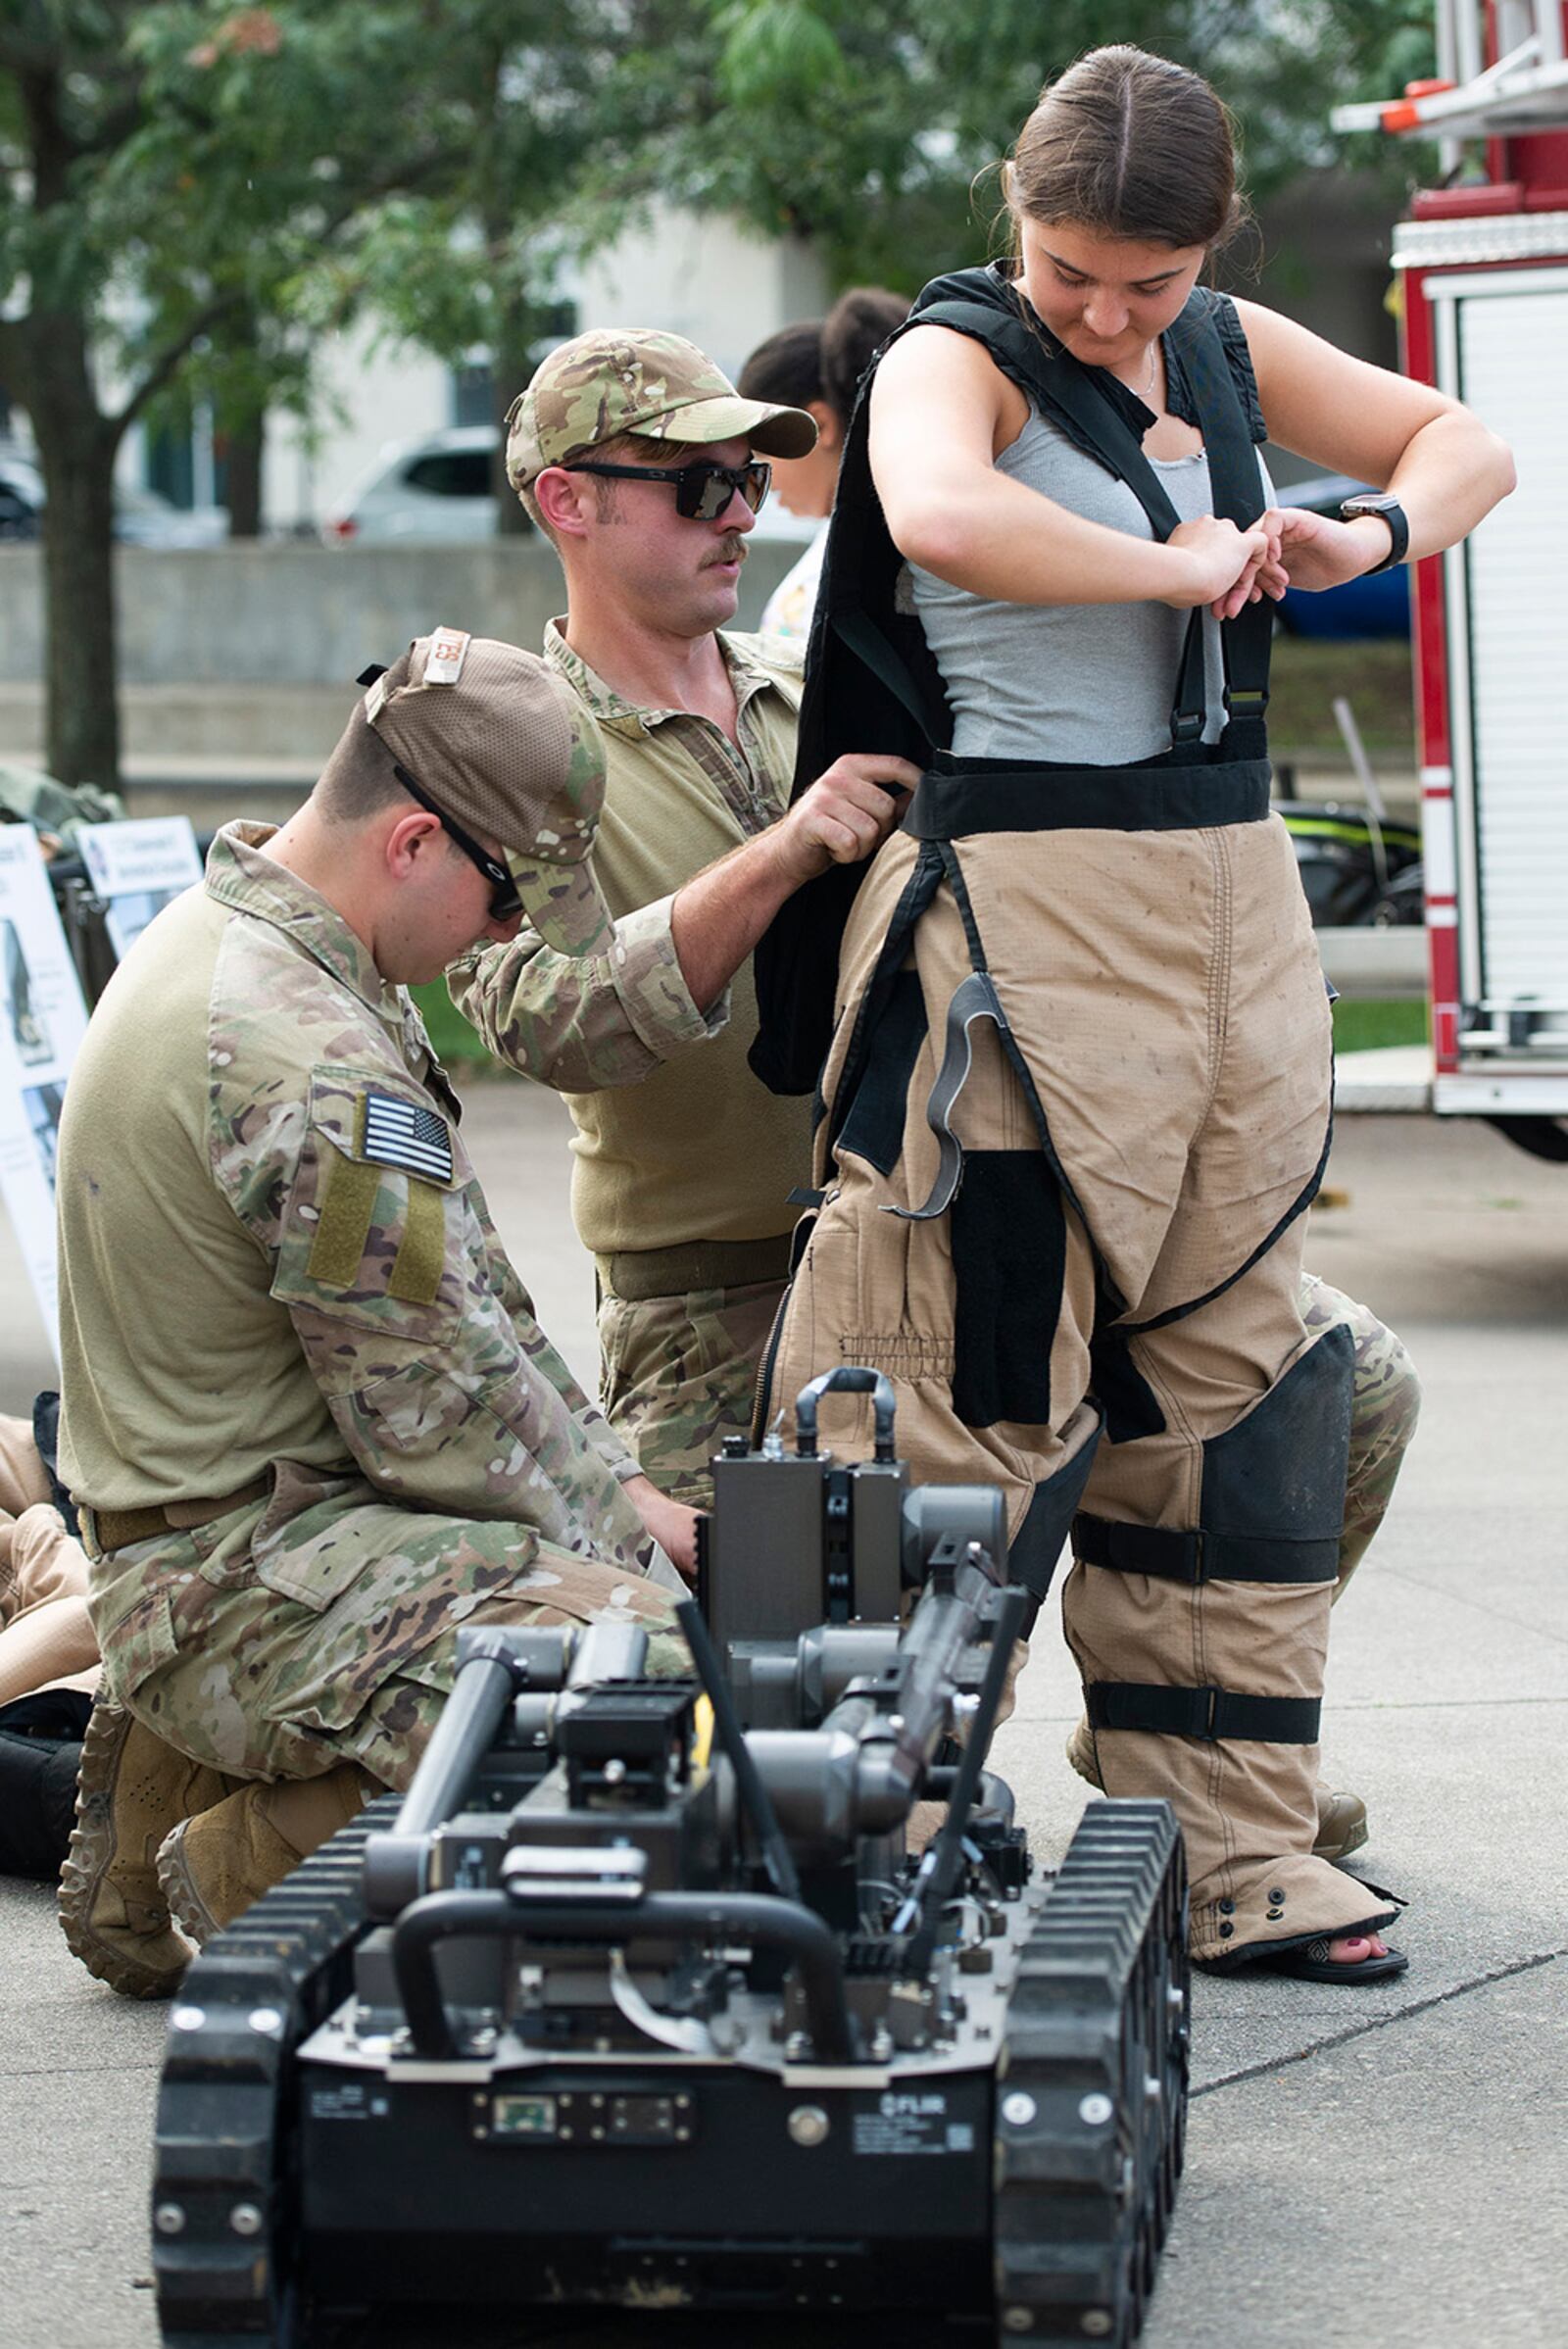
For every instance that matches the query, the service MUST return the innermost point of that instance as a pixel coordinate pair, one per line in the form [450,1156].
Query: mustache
[731,548]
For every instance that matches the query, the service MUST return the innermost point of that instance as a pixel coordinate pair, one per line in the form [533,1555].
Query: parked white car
[436,489]
[142,518]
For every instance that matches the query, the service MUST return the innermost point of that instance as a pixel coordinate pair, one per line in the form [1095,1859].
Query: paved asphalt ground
[1383,2166]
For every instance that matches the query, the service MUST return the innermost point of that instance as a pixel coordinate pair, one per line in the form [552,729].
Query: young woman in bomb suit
[1077,1095]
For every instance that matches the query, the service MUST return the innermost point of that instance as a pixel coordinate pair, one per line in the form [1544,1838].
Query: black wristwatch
[1378,501]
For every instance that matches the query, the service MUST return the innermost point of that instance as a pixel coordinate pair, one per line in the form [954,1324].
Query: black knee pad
[1273,1498]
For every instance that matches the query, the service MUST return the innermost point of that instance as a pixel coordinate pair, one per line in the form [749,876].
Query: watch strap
[1390,512]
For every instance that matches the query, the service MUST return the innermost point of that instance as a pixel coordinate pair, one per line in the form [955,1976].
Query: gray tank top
[1091,684]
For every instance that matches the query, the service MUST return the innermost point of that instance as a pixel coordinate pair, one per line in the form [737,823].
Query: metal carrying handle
[846,1380]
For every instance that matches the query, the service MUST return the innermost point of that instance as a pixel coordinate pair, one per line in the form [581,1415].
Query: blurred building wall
[371,393]
[1319,252]
[709,279]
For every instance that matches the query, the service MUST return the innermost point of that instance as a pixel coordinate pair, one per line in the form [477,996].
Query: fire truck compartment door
[1501,336]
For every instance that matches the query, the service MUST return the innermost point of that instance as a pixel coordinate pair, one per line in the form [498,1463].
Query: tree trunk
[242,494]
[509,369]
[511,360]
[76,447]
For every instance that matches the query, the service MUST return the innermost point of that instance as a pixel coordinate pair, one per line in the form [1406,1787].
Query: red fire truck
[1483,264]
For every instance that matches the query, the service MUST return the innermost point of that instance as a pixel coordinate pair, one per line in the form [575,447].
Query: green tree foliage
[170,177]
[193,191]
[876,124]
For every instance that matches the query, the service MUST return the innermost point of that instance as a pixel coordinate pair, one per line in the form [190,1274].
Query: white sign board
[138,867]
[42,1021]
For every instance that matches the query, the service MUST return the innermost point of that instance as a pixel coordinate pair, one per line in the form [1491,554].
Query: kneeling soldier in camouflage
[310,1423]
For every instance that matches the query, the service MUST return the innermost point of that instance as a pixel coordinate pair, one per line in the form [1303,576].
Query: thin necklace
[1145,388]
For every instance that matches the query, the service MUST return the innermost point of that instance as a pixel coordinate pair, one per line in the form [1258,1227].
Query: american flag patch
[402,1133]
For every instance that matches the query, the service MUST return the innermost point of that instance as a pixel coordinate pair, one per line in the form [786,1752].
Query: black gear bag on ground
[41,1753]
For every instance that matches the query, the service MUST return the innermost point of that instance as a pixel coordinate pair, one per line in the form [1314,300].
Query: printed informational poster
[42,1021]
[137,867]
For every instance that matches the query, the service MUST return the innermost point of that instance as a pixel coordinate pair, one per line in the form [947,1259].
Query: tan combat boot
[1342,1825]
[133,1789]
[212,1866]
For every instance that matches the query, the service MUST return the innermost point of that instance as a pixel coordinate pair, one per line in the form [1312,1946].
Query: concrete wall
[247,654]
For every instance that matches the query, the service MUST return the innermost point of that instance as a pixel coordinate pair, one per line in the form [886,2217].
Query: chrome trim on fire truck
[1491,237]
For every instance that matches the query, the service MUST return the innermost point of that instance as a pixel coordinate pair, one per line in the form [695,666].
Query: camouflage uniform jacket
[673,1144]
[372,1323]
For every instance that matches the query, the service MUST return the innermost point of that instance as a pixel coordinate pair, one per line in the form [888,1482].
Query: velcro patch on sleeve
[406,1135]
[347,1210]
[416,1275]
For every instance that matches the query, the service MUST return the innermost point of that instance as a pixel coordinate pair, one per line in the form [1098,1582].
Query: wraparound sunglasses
[702,491]
[504,899]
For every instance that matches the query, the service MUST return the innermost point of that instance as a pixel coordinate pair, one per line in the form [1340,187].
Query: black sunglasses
[702,491]
[505,903]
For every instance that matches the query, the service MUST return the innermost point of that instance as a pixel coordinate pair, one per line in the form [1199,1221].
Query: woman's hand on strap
[940,414]
[1225,567]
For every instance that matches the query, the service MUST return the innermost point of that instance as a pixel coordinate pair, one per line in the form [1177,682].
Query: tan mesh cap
[638,379]
[504,746]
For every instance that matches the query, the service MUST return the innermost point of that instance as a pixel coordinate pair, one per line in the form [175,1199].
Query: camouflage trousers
[678,1374]
[335,1639]
[1385,1401]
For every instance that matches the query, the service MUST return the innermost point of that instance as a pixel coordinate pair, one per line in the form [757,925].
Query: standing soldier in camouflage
[637,457]
[311,1424]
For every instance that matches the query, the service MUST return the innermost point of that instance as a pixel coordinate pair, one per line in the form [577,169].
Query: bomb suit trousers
[1077,1100]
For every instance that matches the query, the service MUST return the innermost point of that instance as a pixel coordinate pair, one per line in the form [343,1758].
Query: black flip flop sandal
[1308,1961]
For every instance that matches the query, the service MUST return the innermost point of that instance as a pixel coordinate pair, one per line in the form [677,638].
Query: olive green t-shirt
[676,1141]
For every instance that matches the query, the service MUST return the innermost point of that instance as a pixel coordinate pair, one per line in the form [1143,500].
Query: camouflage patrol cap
[638,379]
[504,746]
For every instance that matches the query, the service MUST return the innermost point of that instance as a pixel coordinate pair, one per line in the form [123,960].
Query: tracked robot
[642,1995]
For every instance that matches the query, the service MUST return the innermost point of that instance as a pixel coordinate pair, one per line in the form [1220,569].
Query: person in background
[48,1654]
[816,364]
